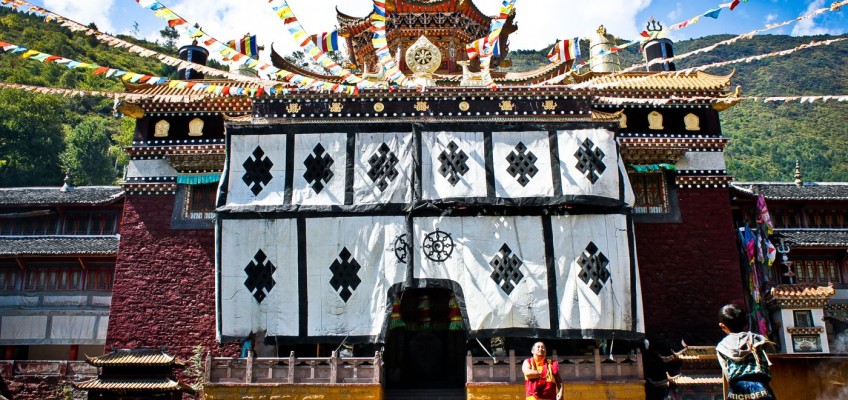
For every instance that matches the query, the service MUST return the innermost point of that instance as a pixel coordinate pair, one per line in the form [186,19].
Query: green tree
[121,139]
[30,139]
[170,35]
[86,156]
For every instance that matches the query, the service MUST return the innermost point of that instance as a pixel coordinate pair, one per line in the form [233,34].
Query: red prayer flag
[179,21]
[99,71]
[734,4]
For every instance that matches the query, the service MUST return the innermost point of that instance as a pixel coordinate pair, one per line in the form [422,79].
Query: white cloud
[771,18]
[808,27]
[85,12]
[675,14]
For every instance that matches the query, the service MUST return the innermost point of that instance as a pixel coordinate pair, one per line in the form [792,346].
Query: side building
[58,248]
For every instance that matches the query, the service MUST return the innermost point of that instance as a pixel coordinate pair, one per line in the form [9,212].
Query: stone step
[424,394]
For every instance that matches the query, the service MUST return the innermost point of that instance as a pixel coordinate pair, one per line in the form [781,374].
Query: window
[91,223]
[53,277]
[818,271]
[99,278]
[651,193]
[803,318]
[9,276]
[200,201]
[42,225]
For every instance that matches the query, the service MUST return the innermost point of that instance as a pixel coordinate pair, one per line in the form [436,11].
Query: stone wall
[164,291]
[690,269]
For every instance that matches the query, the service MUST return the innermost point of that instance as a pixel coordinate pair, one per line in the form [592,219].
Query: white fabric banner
[350,267]
[452,165]
[593,272]
[319,169]
[522,164]
[382,168]
[257,170]
[269,249]
[498,261]
[589,163]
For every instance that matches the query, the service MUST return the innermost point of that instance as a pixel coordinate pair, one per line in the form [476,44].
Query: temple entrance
[425,351]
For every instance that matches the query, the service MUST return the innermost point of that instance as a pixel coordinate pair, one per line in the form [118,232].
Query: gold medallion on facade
[379,107]
[464,106]
[507,105]
[293,108]
[422,106]
[336,107]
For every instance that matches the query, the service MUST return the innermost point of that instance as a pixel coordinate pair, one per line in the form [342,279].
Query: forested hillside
[41,136]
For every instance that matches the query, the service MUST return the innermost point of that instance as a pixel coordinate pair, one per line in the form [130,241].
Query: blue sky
[540,21]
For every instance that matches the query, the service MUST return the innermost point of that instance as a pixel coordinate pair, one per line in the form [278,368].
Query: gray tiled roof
[814,237]
[790,191]
[58,245]
[43,196]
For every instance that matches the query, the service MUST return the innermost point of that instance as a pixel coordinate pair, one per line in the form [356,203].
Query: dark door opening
[425,352]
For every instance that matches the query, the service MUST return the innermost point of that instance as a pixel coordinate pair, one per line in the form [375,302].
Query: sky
[540,22]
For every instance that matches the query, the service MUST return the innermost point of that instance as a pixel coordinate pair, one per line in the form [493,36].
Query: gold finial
[602,31]
[798,181]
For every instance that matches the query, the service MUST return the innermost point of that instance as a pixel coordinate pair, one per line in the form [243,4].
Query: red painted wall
[164,291]
[689,269]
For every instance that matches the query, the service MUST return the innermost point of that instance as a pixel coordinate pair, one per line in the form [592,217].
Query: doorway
[425,351]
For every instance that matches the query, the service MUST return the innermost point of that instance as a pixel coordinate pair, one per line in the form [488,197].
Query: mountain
[765,139]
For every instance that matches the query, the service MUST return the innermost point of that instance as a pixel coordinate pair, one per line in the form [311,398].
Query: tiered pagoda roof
[151,372]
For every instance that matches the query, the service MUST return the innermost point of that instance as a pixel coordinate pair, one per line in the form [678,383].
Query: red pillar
[73,353]
[10,353]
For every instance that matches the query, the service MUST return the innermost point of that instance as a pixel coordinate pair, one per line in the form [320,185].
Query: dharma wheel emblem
[423,57]
[438,245]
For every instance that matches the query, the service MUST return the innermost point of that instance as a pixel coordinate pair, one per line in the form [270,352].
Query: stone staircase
[424,394]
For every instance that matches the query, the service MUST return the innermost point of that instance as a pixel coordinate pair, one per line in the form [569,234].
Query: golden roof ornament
[423,58]
[798,180]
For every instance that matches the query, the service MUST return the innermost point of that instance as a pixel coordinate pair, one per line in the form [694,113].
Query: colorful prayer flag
[476,48]
[565,50]
[763,217]
[245,45]
[327,41]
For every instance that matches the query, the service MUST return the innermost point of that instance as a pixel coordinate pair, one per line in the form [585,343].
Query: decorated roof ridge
[45,196]
[279,61]
[347,20]
[690,353]
[791,191]
[606,116]
[801,291]
[103,245]
[133,384]
[692,380]
[661,80]
[126,357]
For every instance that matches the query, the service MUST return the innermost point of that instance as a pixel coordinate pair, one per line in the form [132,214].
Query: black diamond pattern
[383,167]
[507,269]
[522,165]
[260,276]
[345,270]
[318,168]
[593,267]
[453,163]
[257,171]
[590,161]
